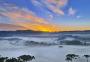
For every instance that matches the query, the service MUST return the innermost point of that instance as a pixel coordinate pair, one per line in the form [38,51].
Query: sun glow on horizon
[39,24]
[40,16]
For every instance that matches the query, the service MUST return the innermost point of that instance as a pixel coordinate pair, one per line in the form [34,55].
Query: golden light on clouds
[39,24]
[58,5]
[40,27]
[29,21]
[35,23]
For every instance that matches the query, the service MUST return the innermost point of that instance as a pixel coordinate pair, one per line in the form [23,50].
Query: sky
[45,15]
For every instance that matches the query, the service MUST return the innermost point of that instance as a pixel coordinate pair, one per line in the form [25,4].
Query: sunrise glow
[43,15]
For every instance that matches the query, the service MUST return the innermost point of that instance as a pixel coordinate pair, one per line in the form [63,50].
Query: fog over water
[51,53]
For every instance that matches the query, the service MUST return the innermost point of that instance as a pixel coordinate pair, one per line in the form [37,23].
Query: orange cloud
[34,22]
[57,8]
[18,16]
[58,2]
[21,16]
[39,24]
